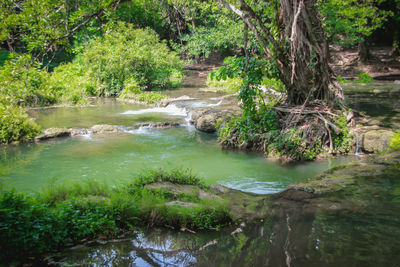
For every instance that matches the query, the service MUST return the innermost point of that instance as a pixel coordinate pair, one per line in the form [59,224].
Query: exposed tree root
[303,133]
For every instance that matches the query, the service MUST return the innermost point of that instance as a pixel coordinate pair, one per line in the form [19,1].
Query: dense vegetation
[32,224]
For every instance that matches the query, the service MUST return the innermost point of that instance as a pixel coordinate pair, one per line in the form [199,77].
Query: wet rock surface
[206,121]
[376,140]
[104,129]
[53,133]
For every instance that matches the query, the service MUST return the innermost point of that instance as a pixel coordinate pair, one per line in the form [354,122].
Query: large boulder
[207,121]
[53,133]
[376,140]
[104,129]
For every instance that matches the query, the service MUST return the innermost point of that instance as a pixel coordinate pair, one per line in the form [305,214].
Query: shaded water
[380,100]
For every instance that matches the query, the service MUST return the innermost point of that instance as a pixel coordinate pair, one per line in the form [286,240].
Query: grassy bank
[33,224]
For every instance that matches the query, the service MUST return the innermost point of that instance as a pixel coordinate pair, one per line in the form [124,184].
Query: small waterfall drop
[359,151]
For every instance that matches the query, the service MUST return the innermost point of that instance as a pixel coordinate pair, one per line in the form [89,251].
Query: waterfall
[358,145]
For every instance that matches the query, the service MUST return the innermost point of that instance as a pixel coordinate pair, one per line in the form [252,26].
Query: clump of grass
[176,176]
[364,78]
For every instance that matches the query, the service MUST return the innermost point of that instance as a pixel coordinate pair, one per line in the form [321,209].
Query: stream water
[364,238]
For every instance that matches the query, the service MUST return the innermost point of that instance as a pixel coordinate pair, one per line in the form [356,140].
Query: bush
[125,54]
[394,143]
[364,78]
[15,125]
[22,83]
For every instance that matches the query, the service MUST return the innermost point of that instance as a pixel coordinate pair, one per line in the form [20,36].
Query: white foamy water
[254,185]
[172,110]
[205,105]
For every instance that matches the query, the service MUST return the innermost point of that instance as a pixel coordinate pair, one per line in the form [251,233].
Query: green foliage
[22,83]
[230,85]
[15,125]
[175,176]
[350,21]
[364,78]
[125,54]
[32,224]
[3,56]
[132,91]
[343,139]
[394,143]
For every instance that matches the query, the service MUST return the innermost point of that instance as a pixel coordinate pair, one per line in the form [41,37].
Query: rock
[376,140]
[165,102]
[158,125]
[397,81]
[104,129]
[219,189]
[53,133]
[76,132]
[206,121]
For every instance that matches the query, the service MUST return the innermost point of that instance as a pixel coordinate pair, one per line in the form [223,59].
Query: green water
[115,158]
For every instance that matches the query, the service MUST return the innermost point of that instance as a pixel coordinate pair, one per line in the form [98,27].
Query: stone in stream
[206,121]
[53,133]
[376,140]
[103,129]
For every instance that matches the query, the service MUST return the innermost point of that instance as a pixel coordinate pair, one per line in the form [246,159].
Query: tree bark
[301,50]
[363,52]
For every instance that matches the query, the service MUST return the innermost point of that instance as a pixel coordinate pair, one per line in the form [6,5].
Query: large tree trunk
[308,76]
[301,50]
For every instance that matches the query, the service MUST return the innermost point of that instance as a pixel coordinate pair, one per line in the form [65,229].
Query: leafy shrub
[22,83]
[364,78]
[72,83]
[229,85]
[394,143]
[132,91]
[124,53]
[15,124]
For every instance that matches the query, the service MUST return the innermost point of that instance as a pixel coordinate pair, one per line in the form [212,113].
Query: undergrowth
[35,223]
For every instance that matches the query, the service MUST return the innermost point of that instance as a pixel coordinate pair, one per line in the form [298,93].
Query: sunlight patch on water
[171,110]
[254,185]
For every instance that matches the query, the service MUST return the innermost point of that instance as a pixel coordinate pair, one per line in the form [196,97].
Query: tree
[43,27]
[295,39]
[350,22]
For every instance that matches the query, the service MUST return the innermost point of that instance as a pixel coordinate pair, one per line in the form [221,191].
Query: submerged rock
[103,129]
[376,140]
[53,133]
